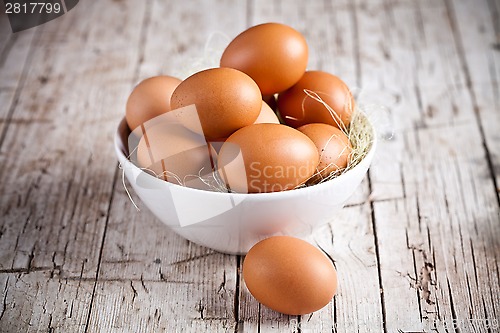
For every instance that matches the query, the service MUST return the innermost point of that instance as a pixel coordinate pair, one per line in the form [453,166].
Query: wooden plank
[384,49]
[435,161]
[479,47]
[400,61]
[14,61]
[55,173]
[39,301]
[80,116]
[145,306]
[458,230]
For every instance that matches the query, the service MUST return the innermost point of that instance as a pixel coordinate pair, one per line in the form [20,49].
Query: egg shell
[289,275]
[333,146]
[225,99]
[266,115]
[267,158]
[298,109]
[149,99]
[176,154]
[273,54]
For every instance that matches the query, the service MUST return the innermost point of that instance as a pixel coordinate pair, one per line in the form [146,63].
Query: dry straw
[359,132]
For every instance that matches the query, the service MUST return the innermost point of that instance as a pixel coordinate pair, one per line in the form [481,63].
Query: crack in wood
[425,280]
[200,308]
[50,328]
[415,272]
[28,270]
[4,301]
[162,277]
[121,261]
[236,302]
[377,256]
[157,315]
[326,253]
[134,291]
[184,261]
[143,285]
[222,285]
[465,67]
[452,306]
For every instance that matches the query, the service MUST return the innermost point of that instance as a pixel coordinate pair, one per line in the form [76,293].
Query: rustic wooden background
[416,248]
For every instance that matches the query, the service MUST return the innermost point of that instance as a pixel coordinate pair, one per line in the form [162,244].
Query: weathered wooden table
[416,249]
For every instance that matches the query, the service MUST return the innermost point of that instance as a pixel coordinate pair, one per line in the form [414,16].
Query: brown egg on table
[225,100]
[333,146]
[176,154]
[149,99]
[297,108]
[266,115]
[289,275]
[267,158]
[273,54]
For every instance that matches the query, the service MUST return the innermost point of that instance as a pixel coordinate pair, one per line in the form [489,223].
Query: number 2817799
[32,8]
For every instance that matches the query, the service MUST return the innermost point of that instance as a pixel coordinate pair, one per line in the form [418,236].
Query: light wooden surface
[416,249]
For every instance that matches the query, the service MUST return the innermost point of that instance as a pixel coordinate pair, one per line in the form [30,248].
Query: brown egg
[176,154]
[225,100]
[333,146]
[289,275]
[297,108]
[266,115]
[150,98]
[267,158]
[274,55]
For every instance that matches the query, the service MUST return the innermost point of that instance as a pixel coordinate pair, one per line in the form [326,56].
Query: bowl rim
[120,146]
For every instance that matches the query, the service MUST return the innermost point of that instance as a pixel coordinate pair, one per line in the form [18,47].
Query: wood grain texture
[438,241]
[416,248]
[479,49]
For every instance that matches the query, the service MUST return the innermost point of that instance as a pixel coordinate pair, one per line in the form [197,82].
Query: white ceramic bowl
[234,222]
